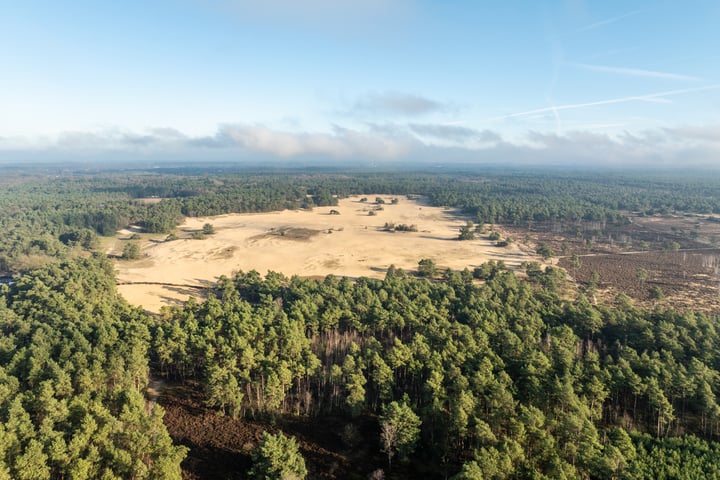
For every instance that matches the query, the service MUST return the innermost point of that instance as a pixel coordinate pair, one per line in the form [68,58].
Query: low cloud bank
[413,142]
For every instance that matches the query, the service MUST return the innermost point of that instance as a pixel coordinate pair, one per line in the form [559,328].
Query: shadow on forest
[172,302]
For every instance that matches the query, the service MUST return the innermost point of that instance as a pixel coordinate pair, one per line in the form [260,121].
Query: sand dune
[305,243]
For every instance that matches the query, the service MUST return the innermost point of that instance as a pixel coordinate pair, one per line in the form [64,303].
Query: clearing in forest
[344,240]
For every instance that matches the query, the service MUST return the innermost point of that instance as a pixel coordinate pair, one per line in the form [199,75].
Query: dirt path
[155,388]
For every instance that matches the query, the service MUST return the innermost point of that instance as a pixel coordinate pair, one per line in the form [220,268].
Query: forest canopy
[506,377]
[73,371]
[482,374]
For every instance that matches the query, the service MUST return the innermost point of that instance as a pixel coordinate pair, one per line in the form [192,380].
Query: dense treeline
[507,377]
[48,216]
[73,369]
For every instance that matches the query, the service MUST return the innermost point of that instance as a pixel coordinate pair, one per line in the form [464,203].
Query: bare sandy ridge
[304,243]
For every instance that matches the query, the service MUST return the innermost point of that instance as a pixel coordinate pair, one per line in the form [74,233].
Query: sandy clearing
[349,244]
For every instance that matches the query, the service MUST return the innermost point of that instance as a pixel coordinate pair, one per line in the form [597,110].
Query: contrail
[558,125]
[607,21]
[637,72]
[572,106]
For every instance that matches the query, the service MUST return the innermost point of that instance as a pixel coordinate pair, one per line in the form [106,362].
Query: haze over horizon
[556,82]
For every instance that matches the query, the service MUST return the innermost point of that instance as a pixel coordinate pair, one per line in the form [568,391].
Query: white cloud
[695,133]
[396,103]
[453,132]
[118,139]
[339,143]
[680,146]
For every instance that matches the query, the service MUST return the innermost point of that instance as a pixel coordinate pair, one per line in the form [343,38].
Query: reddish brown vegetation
[221,447]
[688,277]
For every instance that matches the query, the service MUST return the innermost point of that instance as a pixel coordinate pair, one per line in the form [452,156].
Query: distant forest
[43,215]
[505,378]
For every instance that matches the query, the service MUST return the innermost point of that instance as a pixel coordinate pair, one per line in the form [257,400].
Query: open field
[308,243]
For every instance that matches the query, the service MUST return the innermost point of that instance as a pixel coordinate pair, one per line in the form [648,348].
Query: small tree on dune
[466,232]
[131,251]
[427,268]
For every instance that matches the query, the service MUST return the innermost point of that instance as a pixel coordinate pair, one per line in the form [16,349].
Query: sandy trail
[306,243]
[152,393]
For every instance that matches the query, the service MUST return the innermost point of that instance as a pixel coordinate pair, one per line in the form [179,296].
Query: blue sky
[602,82]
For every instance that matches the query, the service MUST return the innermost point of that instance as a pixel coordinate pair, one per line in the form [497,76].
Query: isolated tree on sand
[466,232]
[131,251]
[277,457]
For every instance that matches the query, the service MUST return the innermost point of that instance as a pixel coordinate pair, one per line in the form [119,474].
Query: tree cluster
[73,369]
[507,378]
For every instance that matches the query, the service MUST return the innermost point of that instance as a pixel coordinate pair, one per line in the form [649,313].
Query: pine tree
[277,457]
[400,429]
